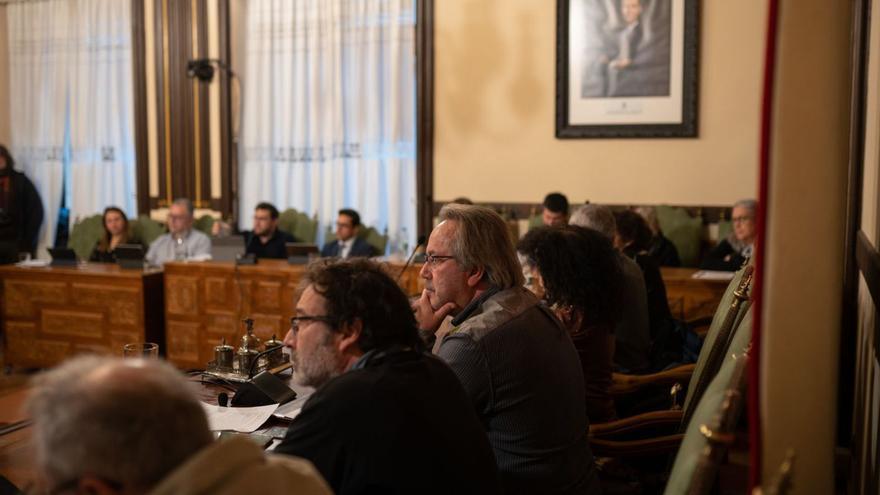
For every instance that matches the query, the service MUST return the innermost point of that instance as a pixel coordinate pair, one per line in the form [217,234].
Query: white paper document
[713,275]
[240,419]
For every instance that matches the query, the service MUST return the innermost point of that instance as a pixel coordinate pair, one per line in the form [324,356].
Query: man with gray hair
[632,335]
[182,242]
[110,426]
[517,363]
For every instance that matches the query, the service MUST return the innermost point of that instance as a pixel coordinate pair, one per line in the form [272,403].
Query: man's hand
[426,317]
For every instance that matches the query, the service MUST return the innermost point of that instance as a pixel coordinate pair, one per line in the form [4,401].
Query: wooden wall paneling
[139,77]
[161,40]
[424,115]
[227,203]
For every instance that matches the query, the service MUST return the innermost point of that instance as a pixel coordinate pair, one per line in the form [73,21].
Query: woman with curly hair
[577,274]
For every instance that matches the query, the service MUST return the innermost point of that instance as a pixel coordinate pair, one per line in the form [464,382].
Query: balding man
[517,363]
[182,242]
[112,426]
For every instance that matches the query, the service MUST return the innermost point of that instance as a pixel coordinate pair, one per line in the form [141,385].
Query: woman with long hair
[116,232]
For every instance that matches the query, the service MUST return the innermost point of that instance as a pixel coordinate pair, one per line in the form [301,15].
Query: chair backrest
[85,233]
[375,239]
[146,229]
[299,225]
[204,224]
[711,432]
[733,304]
[683,230]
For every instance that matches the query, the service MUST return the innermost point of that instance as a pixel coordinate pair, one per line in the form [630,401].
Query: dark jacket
[523,376]
[400,424]
[723,258]
[272,249]
[359,248]
[20,223]
[658,304]
[664,251]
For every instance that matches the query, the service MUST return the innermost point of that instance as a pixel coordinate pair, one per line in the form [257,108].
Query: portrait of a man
[626,48]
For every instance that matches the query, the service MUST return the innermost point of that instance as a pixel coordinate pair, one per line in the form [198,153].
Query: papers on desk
[241,419]
[713,275]
[33,263]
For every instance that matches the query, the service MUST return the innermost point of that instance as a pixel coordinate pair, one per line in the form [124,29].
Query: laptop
[227,248]
[62,256]
[130,256]
[298,253]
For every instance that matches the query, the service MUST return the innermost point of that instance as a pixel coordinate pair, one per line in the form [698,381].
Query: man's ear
[349,334]
[475,276]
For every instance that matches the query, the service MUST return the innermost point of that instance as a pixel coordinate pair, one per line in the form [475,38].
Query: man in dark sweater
[21,211]
[386,417]
[266,241]
[517,363]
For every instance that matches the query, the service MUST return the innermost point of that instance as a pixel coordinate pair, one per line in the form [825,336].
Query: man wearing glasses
[182,242]
[347,243]
[386,417]
[517,363]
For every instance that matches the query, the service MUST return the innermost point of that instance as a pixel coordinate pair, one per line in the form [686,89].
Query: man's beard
[320,368]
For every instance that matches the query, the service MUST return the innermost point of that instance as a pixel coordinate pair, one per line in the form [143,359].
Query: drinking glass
[141,350]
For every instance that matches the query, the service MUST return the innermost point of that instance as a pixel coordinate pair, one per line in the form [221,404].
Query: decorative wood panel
[182,296]
[268,291]
[53,313]
[691,298]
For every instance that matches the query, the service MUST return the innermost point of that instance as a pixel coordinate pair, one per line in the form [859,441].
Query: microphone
[419,243]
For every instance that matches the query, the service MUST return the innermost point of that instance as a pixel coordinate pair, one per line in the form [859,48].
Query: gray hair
[186,203]
[595,217]
[749,204]
[483,240]
[128,421]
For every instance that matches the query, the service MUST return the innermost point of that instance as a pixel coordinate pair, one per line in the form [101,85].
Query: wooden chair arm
[635,448]
[633,424]
[627,384]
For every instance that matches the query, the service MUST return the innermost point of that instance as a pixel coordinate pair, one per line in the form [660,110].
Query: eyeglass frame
[431,259]
[295,326]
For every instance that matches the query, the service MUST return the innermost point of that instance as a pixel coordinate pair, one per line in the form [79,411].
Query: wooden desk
[205,302]
[690,298]
[51,313]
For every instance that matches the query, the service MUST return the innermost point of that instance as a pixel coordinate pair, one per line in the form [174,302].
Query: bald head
[130,422]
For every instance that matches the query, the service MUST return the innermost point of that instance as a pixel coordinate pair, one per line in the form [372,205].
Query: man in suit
[266,241]
[347,243]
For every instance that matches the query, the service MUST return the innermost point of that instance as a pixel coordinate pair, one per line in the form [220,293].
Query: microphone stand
[410,259]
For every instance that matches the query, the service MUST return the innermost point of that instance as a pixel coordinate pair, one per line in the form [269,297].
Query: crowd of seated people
[479,385]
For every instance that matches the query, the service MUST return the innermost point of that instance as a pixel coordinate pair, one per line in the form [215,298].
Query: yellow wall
[494,104]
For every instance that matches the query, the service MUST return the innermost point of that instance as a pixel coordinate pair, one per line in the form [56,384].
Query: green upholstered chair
[85,233]
[204,224]
[375,239]
[146,229]
[637,435]
[724,228]
[711,430]
[299,225]
[683,230]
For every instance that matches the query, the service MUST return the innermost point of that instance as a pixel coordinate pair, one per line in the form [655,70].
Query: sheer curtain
[39,50]
[102,166]
[329,111]
[71,100]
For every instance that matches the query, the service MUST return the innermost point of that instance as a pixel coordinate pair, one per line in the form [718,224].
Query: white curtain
[39,50]
[329,111]
[71,103]
[102,167]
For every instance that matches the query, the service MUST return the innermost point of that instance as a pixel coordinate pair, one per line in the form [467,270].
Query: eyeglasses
[295,321]
[436,259]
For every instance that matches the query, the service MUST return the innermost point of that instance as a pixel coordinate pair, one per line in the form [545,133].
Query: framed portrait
[626,68]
